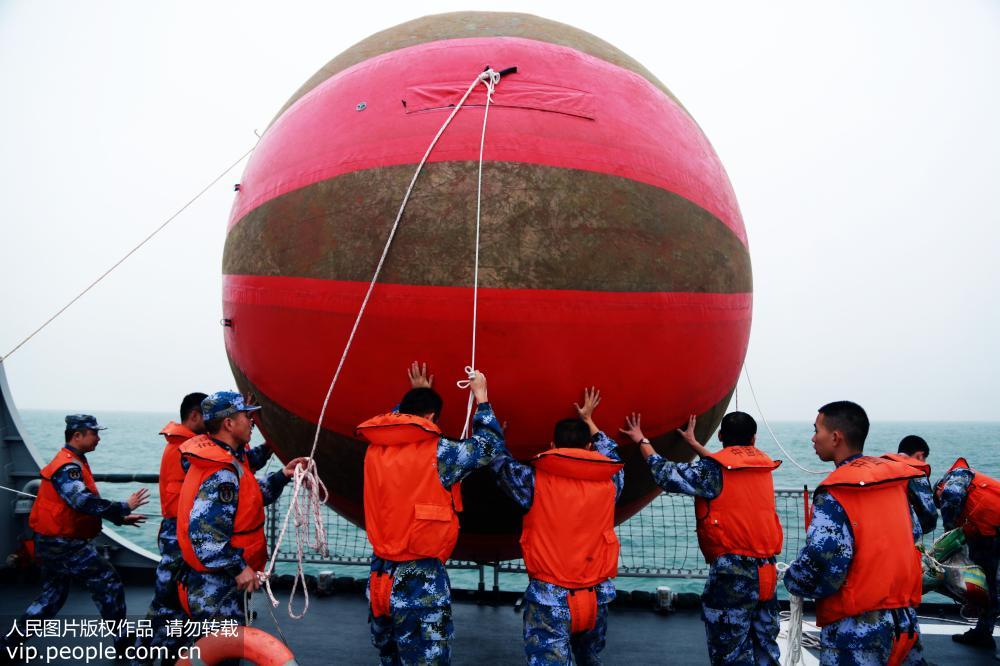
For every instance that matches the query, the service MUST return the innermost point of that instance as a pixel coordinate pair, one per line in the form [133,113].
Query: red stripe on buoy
[563,108]
[667,355]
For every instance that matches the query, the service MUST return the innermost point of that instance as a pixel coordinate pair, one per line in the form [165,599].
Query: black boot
[975,638]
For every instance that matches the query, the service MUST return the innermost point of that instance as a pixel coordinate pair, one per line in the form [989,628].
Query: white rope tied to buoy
[470,374]
[490,79]
[307,478]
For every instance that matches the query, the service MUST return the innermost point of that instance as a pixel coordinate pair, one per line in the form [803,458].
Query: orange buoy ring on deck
[248,643]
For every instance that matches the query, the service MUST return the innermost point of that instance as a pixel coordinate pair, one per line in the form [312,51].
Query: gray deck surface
[335,631]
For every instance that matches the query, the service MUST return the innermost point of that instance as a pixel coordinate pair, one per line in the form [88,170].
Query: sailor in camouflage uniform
[165,607]
[740,626]
[220,513]
[822,567]
[913,450]
[411,517]
[980,520]
[66,516]
[547,618]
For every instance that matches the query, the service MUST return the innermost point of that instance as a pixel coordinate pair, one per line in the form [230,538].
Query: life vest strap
[379,593]
[767,581]
[182,597]
[902,643]
[582,610]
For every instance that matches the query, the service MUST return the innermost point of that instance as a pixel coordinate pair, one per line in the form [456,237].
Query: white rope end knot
[471,374]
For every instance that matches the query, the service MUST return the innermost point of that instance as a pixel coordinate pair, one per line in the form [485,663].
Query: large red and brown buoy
[613,252]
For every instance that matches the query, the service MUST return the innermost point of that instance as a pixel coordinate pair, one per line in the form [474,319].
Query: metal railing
[658,542]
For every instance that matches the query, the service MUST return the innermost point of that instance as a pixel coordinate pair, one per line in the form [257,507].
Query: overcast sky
[861,139]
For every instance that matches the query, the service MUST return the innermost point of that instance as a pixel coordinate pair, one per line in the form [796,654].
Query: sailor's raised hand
[418,376]
[632,427]
[137,499]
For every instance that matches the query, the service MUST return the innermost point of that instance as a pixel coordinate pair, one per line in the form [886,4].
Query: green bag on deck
[947,569]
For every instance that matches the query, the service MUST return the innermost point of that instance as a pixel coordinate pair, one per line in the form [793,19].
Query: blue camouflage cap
[82,422]
[222,404]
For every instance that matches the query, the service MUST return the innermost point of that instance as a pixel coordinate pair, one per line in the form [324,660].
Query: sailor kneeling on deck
[220,512]
[568,538]
[738,533]
[65,517]
[860,562]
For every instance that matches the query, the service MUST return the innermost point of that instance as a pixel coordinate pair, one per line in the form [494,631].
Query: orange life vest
[981,512]
[742,520]
[409,514]
[568,537]
[51,515]
[171,472]
[885,570]
[912,462]
[206,457]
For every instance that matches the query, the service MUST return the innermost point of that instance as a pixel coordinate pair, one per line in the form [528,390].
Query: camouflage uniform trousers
[867,640]
[985,551]
[64,560]
[739,627]
[547,638]
[413,636]
[213,596]
[166,605]
[418,628]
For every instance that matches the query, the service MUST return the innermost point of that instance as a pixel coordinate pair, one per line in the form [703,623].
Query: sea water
[131,445]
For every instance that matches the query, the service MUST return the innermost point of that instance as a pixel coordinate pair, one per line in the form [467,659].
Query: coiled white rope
[309,529]
[794,637]
[309,516]
[768,426]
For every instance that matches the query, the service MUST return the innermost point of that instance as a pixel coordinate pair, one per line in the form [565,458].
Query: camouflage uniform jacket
[68,483]
[953,494]
[424,583]
[518,481]
[921,497]
[214,511]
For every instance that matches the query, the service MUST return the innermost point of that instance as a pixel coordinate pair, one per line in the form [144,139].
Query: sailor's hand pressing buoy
[417,373]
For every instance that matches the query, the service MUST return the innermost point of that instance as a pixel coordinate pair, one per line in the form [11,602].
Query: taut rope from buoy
[768,426]
[129,253]
[309,518]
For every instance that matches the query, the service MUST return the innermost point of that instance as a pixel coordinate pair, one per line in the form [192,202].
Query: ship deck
[487,631]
